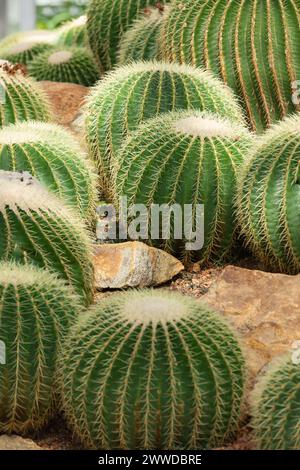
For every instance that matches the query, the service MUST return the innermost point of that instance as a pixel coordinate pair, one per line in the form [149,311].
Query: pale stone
[17,443]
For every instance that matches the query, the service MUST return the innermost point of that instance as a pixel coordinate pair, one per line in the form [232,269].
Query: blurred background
[25,15]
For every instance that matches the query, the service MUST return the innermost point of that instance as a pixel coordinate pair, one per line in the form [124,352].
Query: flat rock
[263,307]
[133,264]
[17,443]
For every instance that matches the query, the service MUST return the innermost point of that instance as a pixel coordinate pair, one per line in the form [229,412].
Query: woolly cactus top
[202,125]
[60,57]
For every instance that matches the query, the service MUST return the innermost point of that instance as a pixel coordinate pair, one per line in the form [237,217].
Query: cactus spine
[52,156]
[36,311]
[137,92]
[186,158]
[107,21]
[65,64]
[36,227]
[21,99]
[25,52]
[276,407]
[252,45]
[73,33]
[183,380]
[268,197]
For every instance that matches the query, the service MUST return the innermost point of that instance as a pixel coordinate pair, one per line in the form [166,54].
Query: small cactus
[268,197]
[276,407]
[142,40]
[134,93]
[52,156]
[107,22]
[36,312]
[25,52]
[73,33]
[21,99]
[152,370]
[36,227]
[35,36]
[186,158]
[65,64]
[251,45]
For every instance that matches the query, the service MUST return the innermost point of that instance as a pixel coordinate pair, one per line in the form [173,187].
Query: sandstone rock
[264,307]
[17,443]
[133,264]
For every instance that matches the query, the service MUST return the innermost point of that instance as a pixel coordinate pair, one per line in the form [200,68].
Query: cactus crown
[73,33]
[24,52]
[276,407]
[183,383]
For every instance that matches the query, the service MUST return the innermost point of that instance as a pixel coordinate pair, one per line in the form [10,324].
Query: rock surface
[264,307]
[17,443]
[133,264]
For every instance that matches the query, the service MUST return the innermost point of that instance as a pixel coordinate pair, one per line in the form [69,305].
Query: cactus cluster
[276,407]
[186,158]
[25,52]
[252,45]
[21,99]
[268,197]
[73,33]
[107,21]
[152,370]
[36,227]
[65,64]
[36,312]
[142,40]
[52,156]
[134,93]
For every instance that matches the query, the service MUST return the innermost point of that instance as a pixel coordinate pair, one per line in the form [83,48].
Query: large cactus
[51,155]
[21,99]
[276,407]
[73,33]
[142,40]
[25,52]
[268,197]
[36,311]
[65,64]
[36,227]
[251,44]
[107,21]
[152,370]
[137,92]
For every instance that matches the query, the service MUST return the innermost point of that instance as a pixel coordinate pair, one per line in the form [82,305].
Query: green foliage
[36,227]
[268,197]
[65,64]
[276,407]
[52,156]
[54,14]
[137,92]
[73,33]
[36,311]
[252,45]
[152,370]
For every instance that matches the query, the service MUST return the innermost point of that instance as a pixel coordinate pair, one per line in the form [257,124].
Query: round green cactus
[186,158]
[152,370]
[268,197]
[73,33]
[21,99]
[36,36]
[276,407]
[25,52]
[142,40]
[36,227]
[36,312]
[107,22]
[65,64]
[52,156]
[134,93]
[251,45]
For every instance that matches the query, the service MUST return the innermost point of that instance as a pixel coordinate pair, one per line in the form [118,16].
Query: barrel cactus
[268,197]
[142,40]
[252,45]
[276,407]
[152,370]
[25,52]
[36,227]
[51,155]
[65,64]
[21,99]
[73,33]
[107,22]
[137,92]
[36,312]
[36,36]
[186,158]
